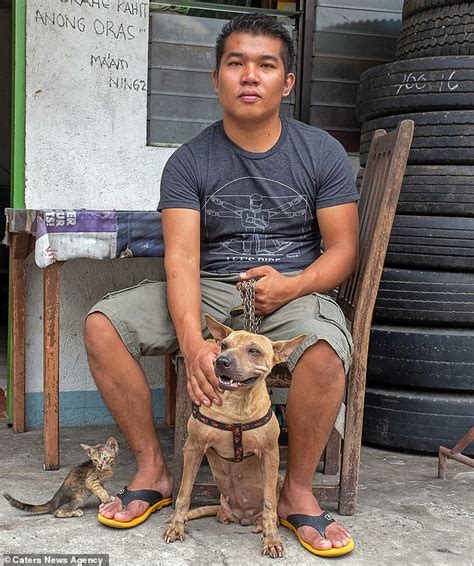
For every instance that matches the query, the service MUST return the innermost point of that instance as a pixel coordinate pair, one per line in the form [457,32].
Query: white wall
[83,283]
[86,148]
[86,106]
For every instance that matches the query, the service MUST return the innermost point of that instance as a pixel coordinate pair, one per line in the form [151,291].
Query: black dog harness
[236,428]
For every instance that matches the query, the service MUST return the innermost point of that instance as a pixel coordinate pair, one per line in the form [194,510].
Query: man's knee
[323,362]
[98,332]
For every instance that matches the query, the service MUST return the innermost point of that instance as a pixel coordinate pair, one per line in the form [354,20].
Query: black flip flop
[318,522]
[151,496]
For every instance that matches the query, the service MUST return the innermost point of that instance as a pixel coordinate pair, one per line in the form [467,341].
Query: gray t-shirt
[258,208]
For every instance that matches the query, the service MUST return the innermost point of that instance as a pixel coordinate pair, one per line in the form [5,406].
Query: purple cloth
[97,234]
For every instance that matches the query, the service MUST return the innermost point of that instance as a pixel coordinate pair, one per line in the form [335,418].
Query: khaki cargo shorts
[141,317]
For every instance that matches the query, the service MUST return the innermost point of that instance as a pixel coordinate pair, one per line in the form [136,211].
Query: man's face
[251,79]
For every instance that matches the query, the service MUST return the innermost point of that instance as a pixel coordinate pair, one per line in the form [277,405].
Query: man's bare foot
[141,480]
[292,502]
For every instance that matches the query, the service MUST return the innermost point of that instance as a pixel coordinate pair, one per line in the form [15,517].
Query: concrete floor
[405,515]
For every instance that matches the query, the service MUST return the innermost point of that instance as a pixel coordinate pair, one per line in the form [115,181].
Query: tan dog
[239,438]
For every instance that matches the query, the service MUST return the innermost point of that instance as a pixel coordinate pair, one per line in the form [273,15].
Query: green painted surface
[18,103]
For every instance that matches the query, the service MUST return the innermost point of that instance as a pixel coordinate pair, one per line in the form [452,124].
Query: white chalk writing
[435,80]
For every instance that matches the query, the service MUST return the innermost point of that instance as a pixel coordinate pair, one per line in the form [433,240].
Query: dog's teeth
[231,382]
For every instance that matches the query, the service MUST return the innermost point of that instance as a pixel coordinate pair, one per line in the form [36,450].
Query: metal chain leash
[247,292]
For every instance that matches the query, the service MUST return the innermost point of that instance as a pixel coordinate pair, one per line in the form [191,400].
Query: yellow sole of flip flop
[138,520]
[327,553]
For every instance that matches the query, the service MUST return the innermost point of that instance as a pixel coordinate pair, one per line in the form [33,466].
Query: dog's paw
[174,532]
[272,545]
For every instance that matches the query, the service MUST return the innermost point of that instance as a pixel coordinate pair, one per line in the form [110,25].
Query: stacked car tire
[420,391]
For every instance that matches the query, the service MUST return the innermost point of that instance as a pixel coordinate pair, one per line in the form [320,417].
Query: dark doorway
[5,148]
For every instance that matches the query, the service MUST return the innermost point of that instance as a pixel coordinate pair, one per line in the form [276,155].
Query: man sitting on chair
[252,195]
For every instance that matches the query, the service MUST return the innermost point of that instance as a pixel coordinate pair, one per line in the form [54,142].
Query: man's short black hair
[257,24]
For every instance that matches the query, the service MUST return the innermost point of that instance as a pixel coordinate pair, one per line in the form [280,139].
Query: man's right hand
[201,381]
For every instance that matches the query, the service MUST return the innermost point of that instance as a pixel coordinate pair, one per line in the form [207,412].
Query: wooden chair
[380,190]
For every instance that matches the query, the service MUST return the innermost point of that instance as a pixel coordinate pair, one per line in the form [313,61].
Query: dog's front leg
[193,453]
[272,545]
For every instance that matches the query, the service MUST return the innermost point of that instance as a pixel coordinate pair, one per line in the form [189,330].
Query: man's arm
[339,226]
[181,233]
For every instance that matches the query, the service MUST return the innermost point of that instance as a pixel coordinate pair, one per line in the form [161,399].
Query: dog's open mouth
[231,384]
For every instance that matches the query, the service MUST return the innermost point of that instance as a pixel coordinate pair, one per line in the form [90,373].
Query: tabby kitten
[82,481]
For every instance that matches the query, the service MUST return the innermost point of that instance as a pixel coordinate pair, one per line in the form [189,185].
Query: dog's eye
[223,346]
[254,352]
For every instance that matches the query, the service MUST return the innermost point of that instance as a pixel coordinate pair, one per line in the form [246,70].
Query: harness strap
[236,428]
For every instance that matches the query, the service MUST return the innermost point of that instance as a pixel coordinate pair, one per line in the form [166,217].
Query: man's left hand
[273,290]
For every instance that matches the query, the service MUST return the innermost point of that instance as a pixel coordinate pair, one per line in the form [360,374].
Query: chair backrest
[380,189]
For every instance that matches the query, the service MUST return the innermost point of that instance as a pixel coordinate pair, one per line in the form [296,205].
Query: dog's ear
[218,330]
[283,348]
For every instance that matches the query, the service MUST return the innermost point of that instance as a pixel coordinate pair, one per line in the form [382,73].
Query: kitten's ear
[88,449]
[112,444]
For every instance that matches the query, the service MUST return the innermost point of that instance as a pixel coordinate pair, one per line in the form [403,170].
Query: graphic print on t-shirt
[255,218]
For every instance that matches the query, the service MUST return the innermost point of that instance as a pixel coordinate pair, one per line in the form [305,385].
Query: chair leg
[349,478]
[183,412]
[331,455]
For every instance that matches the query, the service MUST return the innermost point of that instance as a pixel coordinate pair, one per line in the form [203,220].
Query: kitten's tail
[44,508]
